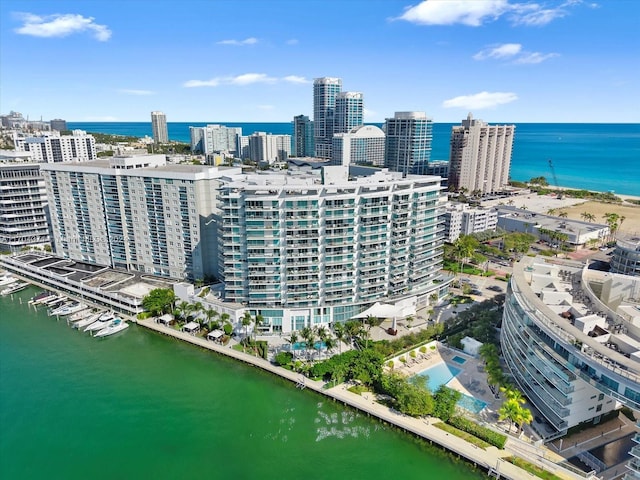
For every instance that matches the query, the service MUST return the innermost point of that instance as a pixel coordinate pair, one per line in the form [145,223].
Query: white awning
[191,326]
[215,334]
[381,310]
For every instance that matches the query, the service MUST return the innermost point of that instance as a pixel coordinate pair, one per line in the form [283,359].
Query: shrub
[283,358]
[228,329]
[494,438]
[412,354]
[390,364]
[423,349]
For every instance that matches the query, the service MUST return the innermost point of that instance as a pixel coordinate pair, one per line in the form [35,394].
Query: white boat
[115,326]
[102,321]
[13,288]
[54,300]
[85,322]
[80,315]
[7,280]
[43,297]
[68,309]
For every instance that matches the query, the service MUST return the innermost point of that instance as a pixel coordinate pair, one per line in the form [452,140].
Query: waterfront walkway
[490,459]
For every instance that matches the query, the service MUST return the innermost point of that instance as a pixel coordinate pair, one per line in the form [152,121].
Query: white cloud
[295,79]
[501,51]
[438,12]
[239,43]
[513,52]
[292,41]
[58,25]
[244,79]
[477,12]
[480,100]
[534,58]
[129,91]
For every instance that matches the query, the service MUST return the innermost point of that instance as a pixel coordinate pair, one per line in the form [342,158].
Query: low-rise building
[52,147]
[461,219]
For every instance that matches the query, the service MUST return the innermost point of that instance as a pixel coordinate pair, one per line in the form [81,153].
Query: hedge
[494,438]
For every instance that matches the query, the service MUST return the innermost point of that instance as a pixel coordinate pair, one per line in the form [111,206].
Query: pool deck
[471,380]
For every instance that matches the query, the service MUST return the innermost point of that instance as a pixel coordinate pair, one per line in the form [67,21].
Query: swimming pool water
[459,360]
[303,346]
[439,374]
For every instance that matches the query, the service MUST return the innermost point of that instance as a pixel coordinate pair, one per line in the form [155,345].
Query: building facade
[408,142]
[51,147]
[303,145]
[159,127]
[626,256]
[349,112]
[268,148]
[461,219]
[480,156]
[325,91]
[302,251]
[213,139]
[363,145]
[23,202]
[135,213]
[570,340]
[58,125]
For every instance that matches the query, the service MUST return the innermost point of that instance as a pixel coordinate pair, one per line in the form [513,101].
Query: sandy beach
[575,207]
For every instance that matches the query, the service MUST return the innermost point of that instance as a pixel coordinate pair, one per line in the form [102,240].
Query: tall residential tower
[480,156]
[302,136]
[408,142]
[325,91]
[159,127]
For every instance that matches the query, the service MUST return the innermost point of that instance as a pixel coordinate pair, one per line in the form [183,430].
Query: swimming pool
[443,373]
[439,374]
[471,403]
[459,360]
[302,346]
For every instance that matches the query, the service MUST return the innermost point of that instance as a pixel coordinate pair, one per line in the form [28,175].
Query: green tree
[340,334]
[211,313]
[444,402]
[159,301]
[309,337]
[464,247]
[247,320]
[510,410]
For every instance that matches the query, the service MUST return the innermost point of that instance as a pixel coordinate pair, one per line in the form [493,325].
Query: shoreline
[490,459]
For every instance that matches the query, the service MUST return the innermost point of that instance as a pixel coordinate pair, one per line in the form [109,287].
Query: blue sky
[242,60]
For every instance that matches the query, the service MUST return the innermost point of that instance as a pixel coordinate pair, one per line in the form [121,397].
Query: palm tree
[524,417]
[246,321]
[309,337]
[464,247]
[323,336]
[509,410]
[209,314]
[340,333]
[293,339]
[587,217]
[563,214]
[330,343]
[257,321]
[612,220]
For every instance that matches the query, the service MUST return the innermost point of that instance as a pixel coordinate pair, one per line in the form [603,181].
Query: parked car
[495,288]
[476,292]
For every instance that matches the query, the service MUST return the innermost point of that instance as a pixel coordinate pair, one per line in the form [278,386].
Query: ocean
[142,405]
[603,157]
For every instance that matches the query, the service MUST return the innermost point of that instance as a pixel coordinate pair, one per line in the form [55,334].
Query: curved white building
[626,256]
[571,339]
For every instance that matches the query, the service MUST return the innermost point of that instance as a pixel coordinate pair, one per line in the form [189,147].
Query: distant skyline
[255,61]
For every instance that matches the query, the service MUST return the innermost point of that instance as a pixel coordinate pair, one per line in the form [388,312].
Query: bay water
[142,405]
[602,157]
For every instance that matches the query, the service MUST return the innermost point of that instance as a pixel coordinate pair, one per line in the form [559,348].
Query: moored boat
[42,298]
[68,309]
[103,321]
[85,322]
[115,326]
[7,280]
[79,315]
[14,287]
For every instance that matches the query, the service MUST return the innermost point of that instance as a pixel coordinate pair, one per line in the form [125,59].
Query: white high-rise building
[325,91]
[215,139]
[159,127]
[363,145]
[51,147]
[349,112]
[302,250]
[461,219]
[265,147]
[136,213]
[480,156]
[408,142]
[23,202]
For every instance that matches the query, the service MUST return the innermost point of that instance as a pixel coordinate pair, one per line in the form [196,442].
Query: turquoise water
[141,405]
[459,360]
[591,156]
[443,373]
[303,346]
[439,374]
